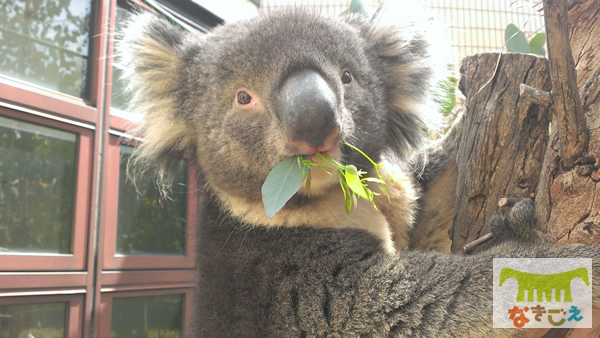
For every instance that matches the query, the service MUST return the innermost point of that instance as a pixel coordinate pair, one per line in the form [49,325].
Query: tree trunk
[506,149]
[501,148]
[569,200]
[503,141]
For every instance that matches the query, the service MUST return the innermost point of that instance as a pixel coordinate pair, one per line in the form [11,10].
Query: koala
[326,73]
[248,95]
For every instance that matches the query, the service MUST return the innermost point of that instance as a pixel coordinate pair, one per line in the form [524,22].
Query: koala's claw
[515,221]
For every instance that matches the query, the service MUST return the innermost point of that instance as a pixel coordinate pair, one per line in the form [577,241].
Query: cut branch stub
[566,103]
[539,97]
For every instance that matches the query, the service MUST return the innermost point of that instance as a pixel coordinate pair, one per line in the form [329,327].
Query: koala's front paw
[514,222]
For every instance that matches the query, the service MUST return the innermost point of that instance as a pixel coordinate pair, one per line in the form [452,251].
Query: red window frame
[114,261]
[107,296]
[38,97]
[14,284]
[74,315]
[92,275]
[79,239]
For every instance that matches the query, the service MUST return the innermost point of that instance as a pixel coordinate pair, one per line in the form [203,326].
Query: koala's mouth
[333,152]
[327,176]
[330,145]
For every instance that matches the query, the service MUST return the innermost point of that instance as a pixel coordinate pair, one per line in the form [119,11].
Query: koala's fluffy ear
[148,53]
[410,69]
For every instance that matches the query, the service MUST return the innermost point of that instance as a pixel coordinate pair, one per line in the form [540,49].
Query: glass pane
[37,187]
[147,316]
[33,320]
[46,42]
[118,94]
[148,224]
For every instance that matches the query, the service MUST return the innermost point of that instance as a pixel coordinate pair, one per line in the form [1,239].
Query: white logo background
[505,296]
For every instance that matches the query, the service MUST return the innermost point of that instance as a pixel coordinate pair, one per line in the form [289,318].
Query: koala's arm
[422,195]
[319,282]
[434,173]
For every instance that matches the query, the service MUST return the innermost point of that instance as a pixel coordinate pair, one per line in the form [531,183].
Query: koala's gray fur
[311,270]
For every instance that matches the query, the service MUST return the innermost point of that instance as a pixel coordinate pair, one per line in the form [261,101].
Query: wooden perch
[469,247]
[564,98]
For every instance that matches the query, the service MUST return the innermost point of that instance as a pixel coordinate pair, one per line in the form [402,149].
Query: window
[24,320]
[51,316]
[143,228]
[38,187]
[118,96]
[83,251]
[147,222]
[146,313]
[44,194]
[46,43]
[147,316]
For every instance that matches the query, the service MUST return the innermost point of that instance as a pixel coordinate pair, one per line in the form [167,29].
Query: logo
[542,292]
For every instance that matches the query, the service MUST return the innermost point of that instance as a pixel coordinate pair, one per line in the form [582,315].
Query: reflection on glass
[147,316]
[33,320]
[148,224]
[118,95]
[37,187]
[46,42]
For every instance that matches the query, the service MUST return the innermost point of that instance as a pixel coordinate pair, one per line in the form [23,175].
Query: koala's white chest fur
[390,223]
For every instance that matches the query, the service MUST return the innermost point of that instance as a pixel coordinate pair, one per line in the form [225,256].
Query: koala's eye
[346,77]
[243,98]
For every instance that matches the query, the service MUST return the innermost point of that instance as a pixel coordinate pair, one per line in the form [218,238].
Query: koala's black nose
[307,106]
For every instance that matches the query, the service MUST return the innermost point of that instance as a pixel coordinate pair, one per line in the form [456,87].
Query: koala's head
[250,94]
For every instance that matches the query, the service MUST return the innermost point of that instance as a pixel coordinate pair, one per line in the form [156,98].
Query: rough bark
[567,193]
[568,203]
[503,140]
[566,106]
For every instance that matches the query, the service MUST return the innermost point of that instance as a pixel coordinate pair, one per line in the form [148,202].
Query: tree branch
[539,97]
[566,107]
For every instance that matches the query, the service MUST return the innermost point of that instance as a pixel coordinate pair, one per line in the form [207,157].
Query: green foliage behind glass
[37,187]
[33,320]
[46,42]
[147,317]
[148,224]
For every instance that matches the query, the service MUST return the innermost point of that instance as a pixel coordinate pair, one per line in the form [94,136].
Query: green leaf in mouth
[281,184]
[287,176]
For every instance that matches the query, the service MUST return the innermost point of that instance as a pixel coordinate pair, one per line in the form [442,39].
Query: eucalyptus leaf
[286,178]
[372,179]
[281,184]
[515,40]
[308,180]
[536,45]
[384,190]
[353,180]
[372,199]
[329,162]
[357,6]
[347,195]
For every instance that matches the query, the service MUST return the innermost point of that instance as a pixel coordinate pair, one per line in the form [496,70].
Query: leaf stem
[360,152]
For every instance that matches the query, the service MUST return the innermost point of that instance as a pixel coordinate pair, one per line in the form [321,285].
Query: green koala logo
[544,283]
